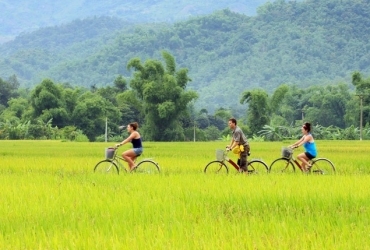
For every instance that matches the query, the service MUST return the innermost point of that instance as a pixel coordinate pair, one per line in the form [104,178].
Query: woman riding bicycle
[309,145]
[135,138]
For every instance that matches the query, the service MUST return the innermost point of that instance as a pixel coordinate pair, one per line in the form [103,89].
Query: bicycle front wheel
[216,167]
[322,166]
[257,167]
[282,165]
[106,167]
[147,167]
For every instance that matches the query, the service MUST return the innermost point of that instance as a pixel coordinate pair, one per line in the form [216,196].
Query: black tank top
[136,143]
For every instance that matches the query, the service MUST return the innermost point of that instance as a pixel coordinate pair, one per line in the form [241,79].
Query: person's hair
[233,120]
[307,126]
[134,125]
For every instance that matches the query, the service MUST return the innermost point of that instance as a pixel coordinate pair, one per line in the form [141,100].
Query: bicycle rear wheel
[216,167]
[257,167]
[322,166]
[147,167]
[106,167]
[282,165]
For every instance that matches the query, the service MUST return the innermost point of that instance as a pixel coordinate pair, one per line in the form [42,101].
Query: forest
[294,61]
[301,43]
[158,98]
[24,15]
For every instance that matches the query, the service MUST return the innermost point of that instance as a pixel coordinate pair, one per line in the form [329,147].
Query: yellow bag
[238,149]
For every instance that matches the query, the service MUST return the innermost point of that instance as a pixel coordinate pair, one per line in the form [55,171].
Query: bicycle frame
[318,165]
[146,165]
[119,160]
[233,163]
[295,161]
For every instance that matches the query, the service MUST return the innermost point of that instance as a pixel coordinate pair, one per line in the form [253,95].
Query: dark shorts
[242,162]
[309,156]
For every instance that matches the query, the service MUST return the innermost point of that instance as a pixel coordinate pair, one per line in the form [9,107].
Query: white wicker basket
[220,154]
[109,153]
[286,152]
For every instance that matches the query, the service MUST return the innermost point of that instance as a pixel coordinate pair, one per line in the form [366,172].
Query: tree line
[157,97]
[294,42]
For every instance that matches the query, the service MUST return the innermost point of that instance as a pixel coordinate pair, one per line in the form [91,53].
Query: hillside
[29,15]
[303,43]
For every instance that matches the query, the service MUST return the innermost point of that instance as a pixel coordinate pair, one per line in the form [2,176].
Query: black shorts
[309,156]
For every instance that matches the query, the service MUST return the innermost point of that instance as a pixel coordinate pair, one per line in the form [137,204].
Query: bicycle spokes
[216,167]
[322,166]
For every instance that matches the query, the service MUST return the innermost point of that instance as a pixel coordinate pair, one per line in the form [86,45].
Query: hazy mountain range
[29,15]
[296,42]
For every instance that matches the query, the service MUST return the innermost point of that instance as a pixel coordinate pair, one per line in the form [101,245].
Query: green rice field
[52,199]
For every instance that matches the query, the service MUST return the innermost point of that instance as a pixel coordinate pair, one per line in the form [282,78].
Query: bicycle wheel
[216,167]
[147,167]
[282,165]
[257,167]
[106,167]
[322,166]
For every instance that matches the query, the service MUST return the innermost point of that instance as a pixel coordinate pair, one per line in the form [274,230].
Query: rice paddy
[52,199]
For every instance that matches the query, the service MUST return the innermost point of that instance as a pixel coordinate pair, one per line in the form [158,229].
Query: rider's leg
[304,159]
[243,160]
[129,156]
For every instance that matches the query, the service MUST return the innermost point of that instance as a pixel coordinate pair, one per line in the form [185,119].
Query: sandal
[133,169]
[308,169]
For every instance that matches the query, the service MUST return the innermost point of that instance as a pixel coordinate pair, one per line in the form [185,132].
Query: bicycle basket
[109,153]
[220,155]
[287,152]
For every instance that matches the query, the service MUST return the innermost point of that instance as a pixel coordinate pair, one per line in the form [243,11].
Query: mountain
[301,43]
[29,15]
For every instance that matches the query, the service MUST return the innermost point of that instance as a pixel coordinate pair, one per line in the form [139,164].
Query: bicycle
[113,163]
[254,166]
[287,164]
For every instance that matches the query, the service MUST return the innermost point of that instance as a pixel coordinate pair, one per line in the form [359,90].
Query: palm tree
[277,133]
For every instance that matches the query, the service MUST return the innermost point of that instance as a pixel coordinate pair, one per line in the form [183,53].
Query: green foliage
[258,110]
[8,90]
[164,96]
[22,16]
[51,185]
[293,42]
[91,112]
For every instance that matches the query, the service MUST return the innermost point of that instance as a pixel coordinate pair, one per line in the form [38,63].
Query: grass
[51,199]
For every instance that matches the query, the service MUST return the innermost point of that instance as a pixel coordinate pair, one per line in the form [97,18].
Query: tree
[91,112]
[363,92]
[8,90]
[48,103]
[277,97]
[164,97]
[327,105]
[258,110]
[274,133]
[120,83]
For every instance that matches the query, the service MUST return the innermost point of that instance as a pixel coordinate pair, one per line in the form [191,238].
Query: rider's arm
[232,144]
[302,141]
[128,139]
[236,143]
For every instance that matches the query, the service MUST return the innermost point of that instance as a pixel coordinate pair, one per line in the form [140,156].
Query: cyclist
[238,140]
[309,145]
[135,138]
